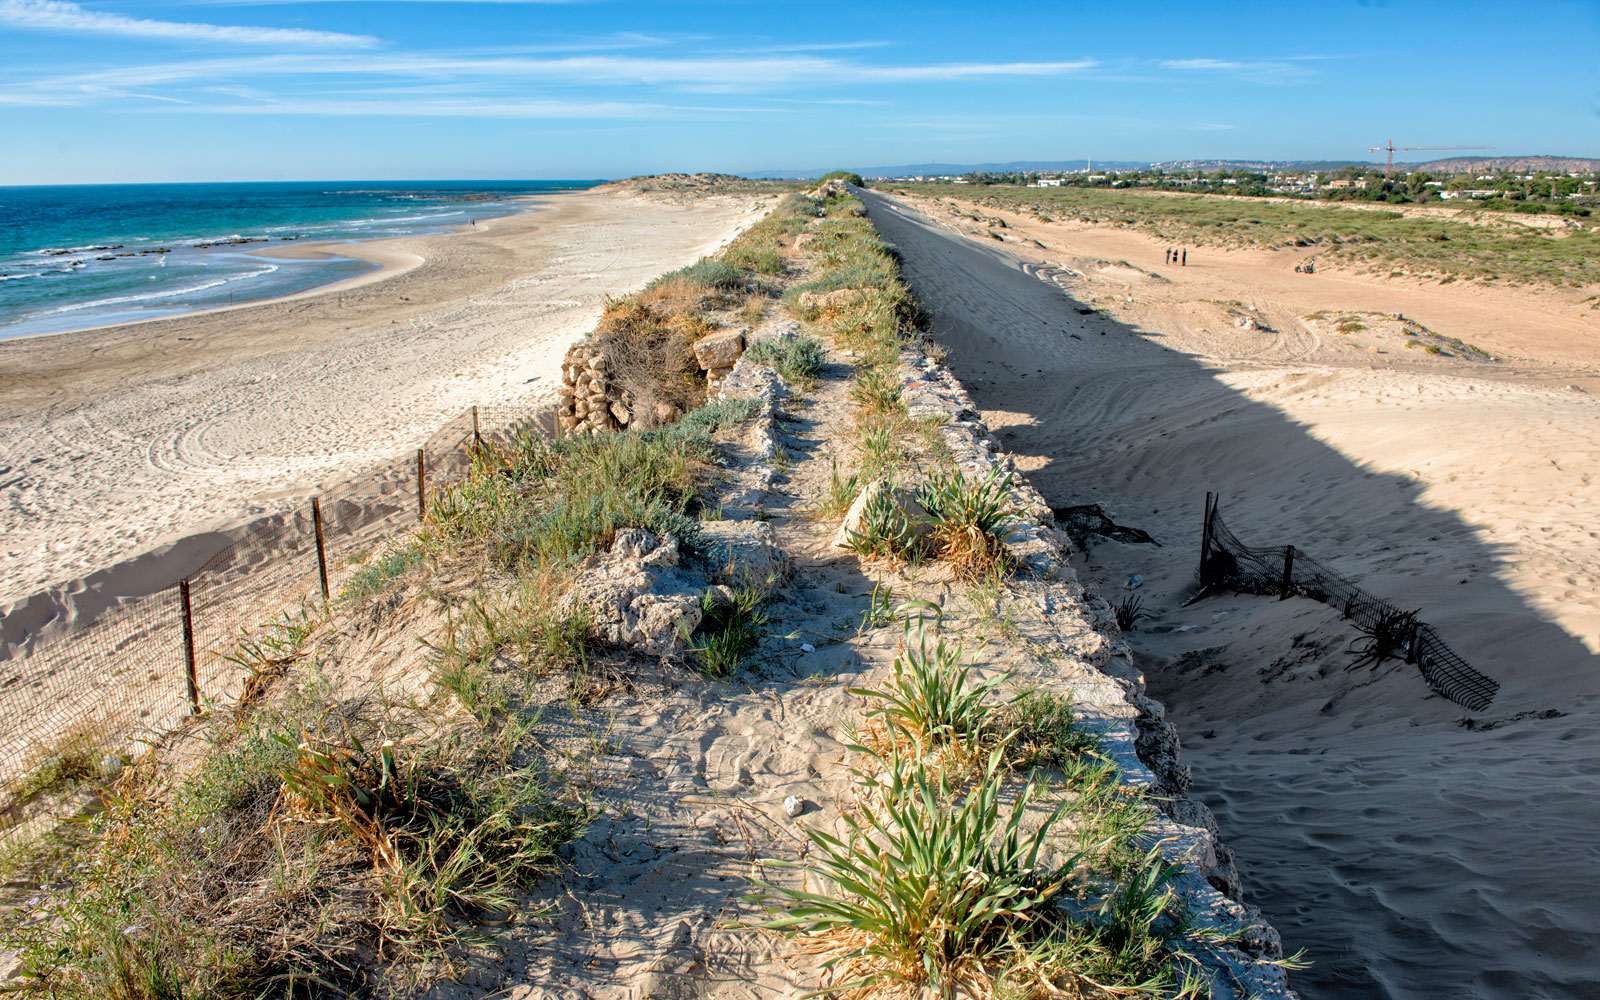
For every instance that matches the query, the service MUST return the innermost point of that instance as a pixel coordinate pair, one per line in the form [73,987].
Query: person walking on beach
[1185,257]
[1168,256]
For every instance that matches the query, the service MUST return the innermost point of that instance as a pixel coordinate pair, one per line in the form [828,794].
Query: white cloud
[475,108]
[1287,69]
[58,15]
[1202,64]
[753,73]
[965,71]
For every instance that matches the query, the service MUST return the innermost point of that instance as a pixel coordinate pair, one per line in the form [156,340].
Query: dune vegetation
[377,815]
[1423,244]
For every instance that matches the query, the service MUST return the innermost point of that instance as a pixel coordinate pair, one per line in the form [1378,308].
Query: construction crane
[1391,147]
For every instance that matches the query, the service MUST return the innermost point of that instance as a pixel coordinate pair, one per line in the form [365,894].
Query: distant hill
[1454,165]
[936,169]
[1517,164]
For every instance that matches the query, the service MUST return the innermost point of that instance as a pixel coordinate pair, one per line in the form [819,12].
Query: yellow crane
[1391,147]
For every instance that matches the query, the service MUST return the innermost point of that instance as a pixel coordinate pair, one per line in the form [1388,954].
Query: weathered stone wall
[1093,663]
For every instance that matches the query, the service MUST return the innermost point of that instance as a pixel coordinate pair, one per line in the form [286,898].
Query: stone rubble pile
[585,401]
[590,400]
[832,188]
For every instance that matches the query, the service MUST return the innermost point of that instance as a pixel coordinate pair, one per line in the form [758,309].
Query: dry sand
[120,440]
[1410,855]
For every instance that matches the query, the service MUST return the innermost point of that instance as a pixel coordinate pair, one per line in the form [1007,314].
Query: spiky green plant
[881,446]
[930,701]
[1130,611]
[926,881]
[1045,731]
[969,518]
[885,532]
[876,389]
[841,493]
[729,630]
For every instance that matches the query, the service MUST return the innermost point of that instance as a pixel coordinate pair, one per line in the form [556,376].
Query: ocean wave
[435,217]
[165,293]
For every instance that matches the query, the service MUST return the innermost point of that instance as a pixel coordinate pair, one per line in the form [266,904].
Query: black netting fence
[73,694]
[1226,562]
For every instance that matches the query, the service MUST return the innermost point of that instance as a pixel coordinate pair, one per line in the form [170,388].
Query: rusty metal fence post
[188,647]
[322,554]
[422,484]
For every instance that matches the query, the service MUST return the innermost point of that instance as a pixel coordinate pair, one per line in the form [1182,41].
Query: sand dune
[1410,855]
[119,441]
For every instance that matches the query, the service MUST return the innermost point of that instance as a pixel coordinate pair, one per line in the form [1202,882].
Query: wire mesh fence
[1226,562]
[72,694]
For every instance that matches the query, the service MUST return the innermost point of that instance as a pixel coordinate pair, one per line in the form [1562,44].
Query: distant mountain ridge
[1453,165]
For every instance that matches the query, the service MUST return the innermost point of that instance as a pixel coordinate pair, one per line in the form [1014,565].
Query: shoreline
[121,440]
[390,263]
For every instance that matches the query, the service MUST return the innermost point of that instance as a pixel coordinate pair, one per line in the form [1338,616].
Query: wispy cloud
[1202,64]
[476,108]
[1285,69]
[58,15]
[732,73]
[967,71]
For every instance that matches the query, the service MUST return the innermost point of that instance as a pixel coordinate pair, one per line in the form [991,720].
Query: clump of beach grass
[969,518]
[308,851]
[730,629]
[930,702]
[948,887]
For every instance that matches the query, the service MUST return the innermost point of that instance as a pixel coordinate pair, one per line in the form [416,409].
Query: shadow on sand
[1409,853]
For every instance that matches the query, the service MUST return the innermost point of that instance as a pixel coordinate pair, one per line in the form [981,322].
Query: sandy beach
[121,440]
[1412,851]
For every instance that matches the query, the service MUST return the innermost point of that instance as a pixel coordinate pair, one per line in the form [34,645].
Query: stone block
[905,501]
[719,350]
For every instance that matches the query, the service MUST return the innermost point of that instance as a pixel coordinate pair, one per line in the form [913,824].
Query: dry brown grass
[650,356]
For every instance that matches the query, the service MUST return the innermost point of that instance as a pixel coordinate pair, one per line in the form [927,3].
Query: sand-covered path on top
[1409,854]
[116,441]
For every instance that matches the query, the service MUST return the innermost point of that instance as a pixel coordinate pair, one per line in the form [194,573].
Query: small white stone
[793,806]
[806,647]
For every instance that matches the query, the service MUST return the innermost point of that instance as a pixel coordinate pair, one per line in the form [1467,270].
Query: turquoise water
[89,255]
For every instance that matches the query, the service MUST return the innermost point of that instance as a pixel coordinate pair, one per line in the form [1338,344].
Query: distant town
[1563,192]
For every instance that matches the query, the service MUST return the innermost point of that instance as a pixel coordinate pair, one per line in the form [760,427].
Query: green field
[1381,241]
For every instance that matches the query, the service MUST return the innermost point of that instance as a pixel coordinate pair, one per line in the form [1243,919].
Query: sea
[79,256]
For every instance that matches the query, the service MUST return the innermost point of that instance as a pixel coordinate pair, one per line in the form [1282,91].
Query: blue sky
[108,90]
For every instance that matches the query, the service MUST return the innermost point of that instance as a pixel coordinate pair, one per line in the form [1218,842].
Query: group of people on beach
[1178,256]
